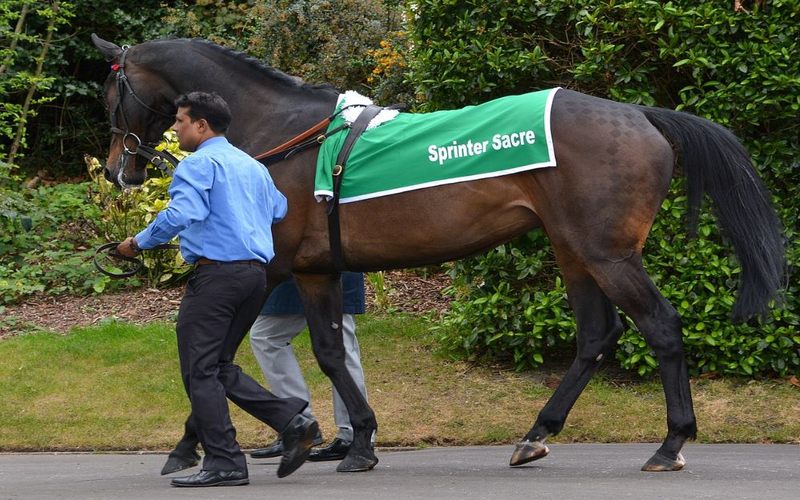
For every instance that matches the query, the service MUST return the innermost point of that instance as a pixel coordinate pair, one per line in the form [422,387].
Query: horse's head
[139,103]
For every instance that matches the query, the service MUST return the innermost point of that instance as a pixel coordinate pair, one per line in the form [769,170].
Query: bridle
[163,160]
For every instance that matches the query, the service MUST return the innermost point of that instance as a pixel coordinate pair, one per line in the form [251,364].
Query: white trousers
[271,337]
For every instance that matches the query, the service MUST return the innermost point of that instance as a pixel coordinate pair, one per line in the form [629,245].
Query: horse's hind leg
[599,328]
[627,284]
[322,300]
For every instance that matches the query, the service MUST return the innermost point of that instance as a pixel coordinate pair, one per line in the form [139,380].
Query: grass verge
[117,386]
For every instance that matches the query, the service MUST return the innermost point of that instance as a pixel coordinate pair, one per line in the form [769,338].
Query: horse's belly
[435,225]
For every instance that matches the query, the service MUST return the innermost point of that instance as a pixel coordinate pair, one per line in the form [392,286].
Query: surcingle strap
[334,230]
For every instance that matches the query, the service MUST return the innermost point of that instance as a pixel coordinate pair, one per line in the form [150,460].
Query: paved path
[579,471]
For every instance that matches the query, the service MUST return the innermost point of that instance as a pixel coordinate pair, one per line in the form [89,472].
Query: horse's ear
[108,49]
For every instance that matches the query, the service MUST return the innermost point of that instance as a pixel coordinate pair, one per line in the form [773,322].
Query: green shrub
[738,69]
[341,43]
[699,277]
[65,111]
[46,242]
[497,313]
[325,42]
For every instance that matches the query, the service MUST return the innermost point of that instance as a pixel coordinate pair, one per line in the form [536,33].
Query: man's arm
[189,193]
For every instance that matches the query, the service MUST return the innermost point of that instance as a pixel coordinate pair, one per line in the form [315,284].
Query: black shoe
[177,462]
[337,450]
[213,478]
[298,438]
[275,448]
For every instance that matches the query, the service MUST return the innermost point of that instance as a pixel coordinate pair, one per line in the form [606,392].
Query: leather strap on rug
[334,229]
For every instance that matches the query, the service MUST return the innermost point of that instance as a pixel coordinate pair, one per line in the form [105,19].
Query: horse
[615,163]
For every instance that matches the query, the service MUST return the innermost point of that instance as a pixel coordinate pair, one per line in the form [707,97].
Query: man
[280,321]
[222,206]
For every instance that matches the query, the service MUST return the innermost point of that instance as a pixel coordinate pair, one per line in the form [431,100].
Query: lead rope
[109,250]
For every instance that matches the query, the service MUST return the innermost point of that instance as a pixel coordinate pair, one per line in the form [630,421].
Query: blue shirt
[285,299]
[223,204]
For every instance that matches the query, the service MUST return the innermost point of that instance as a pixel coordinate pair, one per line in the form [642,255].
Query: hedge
[741,70]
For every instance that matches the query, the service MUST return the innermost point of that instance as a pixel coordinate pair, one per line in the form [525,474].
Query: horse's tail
[714,161]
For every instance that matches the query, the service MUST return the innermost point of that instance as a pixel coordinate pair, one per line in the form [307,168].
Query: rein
[296,143]
[110,250]
[310,138]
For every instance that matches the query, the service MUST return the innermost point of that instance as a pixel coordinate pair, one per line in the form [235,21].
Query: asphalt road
[579,471]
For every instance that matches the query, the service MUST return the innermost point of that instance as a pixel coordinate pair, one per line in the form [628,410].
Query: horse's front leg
[322,300]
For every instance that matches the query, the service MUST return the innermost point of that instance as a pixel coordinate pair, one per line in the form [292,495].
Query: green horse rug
[401,152]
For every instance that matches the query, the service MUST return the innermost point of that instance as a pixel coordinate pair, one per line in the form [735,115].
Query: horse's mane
[252,62]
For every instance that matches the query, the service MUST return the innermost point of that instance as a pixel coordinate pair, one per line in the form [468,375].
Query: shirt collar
[219,139]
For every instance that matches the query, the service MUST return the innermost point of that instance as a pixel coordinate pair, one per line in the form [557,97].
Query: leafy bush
[497,313]
[324,41]
[387,81]
[45,242]
[64,112]
[699,277]
[737,69]
[344,43]
[49,235]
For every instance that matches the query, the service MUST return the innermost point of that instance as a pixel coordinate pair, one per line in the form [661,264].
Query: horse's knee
[596,347]
[664,334]
[330,360]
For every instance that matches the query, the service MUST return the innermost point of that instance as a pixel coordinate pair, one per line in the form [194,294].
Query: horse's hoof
[357,463]
[528,451]
[660,463]
[177,463]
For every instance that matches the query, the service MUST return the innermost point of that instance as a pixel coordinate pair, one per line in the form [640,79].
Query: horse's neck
[266,118]
[265,115]
[267,110]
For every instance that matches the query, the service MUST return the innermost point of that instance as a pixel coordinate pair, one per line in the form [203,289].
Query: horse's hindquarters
[614,170]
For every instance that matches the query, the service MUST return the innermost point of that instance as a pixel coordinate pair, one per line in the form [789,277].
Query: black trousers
[220,305]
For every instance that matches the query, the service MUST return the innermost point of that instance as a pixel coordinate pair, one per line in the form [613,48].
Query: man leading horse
[220,198]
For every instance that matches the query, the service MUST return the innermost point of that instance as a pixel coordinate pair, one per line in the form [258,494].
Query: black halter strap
[109,251]
[124,84]
[163,160]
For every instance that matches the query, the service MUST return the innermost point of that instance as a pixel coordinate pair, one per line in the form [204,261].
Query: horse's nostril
[107,174]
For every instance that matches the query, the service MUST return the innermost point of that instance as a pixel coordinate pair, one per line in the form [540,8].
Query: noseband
[163,160]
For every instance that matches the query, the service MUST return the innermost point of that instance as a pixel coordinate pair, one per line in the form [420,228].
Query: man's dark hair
[208,106]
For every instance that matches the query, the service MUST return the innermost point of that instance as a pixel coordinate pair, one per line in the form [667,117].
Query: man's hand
[128,248]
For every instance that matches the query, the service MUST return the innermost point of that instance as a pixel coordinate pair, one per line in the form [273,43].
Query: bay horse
[615,165]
